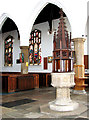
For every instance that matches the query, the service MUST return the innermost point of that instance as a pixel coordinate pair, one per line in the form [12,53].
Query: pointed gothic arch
[3,20]
[41,5]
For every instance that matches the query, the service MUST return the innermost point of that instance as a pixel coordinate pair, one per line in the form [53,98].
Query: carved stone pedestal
[63,82]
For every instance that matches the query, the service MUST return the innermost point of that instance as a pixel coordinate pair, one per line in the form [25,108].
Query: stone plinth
[63,82]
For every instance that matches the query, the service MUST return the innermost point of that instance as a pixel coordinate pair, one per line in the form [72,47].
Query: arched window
[8,51]
[35,47]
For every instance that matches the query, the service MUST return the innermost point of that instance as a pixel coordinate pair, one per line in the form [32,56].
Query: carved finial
[61,12]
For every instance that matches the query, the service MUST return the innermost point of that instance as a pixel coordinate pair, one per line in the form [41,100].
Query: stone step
[46,110]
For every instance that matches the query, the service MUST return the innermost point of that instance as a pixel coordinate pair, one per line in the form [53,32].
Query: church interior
[40,66]
[51,50]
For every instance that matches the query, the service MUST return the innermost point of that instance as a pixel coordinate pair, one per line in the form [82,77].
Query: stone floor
[24,109]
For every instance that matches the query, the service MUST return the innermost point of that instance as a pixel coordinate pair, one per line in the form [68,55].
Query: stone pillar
[79,67]
[79,49]
[24,67]
[63,82]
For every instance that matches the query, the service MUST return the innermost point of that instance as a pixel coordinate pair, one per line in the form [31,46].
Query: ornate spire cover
[62,34]
[62,46]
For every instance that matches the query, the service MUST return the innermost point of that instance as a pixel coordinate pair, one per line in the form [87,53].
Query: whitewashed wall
[16,50]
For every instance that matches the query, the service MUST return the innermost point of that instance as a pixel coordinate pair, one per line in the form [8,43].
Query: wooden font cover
[62,53]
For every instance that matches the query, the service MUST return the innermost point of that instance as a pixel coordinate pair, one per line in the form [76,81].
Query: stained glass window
[35,47]
[8,51]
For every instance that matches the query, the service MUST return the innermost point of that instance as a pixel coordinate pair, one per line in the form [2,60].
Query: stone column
[79,67]
[24,67]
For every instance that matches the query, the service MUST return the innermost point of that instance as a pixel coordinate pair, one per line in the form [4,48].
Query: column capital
[78,39]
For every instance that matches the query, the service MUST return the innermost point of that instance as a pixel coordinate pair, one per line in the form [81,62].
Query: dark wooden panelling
[36,80]
[16,82]
[4,83]
[58,64]
[86,61]
[65,65]
[87,81]
[42,80]
[48,79]
[12,81]
[25,82]
[45,63]
[69,65]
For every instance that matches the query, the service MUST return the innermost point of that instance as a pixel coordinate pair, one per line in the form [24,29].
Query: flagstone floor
[27,104]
